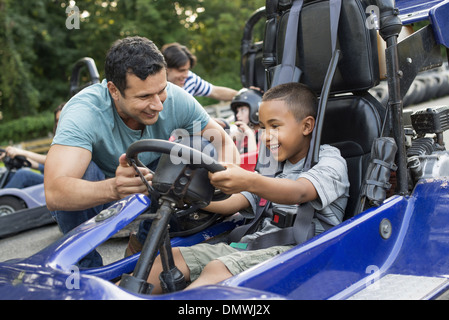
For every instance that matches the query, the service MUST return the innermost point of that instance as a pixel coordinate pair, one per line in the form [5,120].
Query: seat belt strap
[303,227]
[302,230]
[239,232]
[303,222]
[263,205]
[335,10]
[288,71]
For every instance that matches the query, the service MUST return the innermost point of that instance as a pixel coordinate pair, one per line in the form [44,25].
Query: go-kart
[24,209]
[393,243]
[14,216]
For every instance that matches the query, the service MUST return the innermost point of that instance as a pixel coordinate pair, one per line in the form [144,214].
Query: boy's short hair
[132,55]
[300,99]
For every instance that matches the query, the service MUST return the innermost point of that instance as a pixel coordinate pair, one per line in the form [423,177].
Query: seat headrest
[358,69]
[353,118]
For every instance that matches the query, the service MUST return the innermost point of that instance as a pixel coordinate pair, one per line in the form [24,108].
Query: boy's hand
[243,127]
[232,180]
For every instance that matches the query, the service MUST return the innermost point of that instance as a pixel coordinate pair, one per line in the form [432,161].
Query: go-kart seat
[351,124]
[353,118]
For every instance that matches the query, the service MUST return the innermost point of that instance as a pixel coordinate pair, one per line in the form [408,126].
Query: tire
[9,205]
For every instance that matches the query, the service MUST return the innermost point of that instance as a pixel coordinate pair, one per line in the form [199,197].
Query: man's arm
[227,151]
[66,190]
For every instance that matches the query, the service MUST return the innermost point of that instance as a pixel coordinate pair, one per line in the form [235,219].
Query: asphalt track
[27,243]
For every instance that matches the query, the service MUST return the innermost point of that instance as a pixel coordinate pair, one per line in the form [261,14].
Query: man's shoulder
[94,92]
[92,99]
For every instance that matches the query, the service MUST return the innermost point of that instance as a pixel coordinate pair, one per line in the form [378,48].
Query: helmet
[250,98]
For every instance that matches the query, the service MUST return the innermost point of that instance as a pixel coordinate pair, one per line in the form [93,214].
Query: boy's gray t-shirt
[330,179]
[90,121]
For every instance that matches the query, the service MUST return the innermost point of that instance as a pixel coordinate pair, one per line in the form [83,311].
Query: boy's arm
[285,191]
[231,205]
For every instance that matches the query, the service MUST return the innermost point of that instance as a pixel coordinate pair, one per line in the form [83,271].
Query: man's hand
[127,181]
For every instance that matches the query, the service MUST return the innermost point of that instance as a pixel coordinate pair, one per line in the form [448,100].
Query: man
[179,62]
[86,168]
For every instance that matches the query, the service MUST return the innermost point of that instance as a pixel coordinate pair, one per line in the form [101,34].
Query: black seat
[353,118]
[351,124]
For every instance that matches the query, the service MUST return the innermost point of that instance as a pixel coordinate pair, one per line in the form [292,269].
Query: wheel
[175,186]
[188,218]
[9,205]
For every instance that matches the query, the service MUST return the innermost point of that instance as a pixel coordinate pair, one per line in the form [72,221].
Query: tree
[17,95]
[38,49]
[215,36]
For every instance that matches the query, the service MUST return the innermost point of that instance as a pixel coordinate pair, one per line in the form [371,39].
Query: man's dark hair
[177,55]
[301,101]
[132,55]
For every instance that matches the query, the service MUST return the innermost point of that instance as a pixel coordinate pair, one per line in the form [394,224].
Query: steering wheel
[16,162]
[174,185]
[182,177]
[182,151]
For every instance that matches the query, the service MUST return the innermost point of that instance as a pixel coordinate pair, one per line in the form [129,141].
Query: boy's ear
[308,125]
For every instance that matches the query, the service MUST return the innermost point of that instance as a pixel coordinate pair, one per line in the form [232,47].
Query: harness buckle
[283,219]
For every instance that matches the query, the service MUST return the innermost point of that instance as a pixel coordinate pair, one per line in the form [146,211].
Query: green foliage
[26,128]
[215,38]
[37,50]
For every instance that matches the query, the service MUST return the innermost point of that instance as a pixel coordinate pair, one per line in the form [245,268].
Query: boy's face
[287,138]
[242,114]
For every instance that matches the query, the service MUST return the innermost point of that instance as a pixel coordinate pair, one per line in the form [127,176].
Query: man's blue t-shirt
[90,121]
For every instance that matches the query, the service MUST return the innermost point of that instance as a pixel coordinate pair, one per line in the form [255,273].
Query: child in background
[246,109]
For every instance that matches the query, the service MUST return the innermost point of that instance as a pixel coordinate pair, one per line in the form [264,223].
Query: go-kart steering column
[138,281]
[171,278]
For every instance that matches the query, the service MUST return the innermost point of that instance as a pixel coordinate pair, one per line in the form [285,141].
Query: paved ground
[27,243]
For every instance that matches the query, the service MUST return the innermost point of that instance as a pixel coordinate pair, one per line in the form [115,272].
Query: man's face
[178,76]
[142,100]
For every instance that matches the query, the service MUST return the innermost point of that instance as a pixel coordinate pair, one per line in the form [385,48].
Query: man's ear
[308,125]
[113,90]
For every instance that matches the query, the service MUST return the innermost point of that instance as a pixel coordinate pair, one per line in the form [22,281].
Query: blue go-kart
[394,241]
[20,209]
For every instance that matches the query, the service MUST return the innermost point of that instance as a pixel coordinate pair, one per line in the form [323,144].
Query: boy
[245,106]
[287,118]
[179,62]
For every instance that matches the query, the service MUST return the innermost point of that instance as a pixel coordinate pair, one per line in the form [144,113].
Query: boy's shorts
[198,256]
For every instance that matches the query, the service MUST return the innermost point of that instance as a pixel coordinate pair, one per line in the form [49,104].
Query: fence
[38,145]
